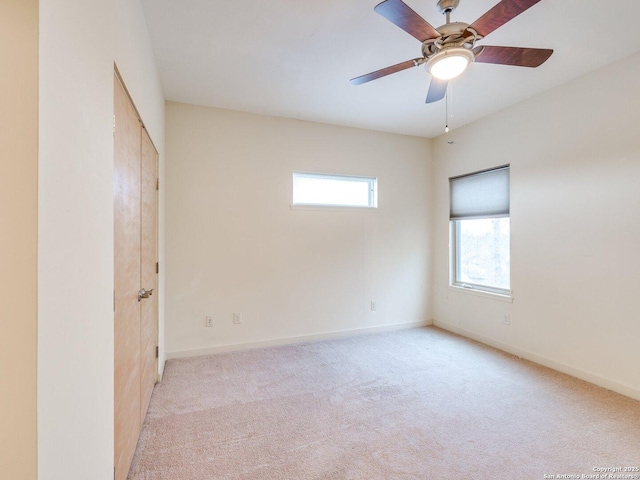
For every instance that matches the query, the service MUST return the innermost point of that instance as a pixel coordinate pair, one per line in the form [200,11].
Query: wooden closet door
[135,257]
[127,261]
[148,273]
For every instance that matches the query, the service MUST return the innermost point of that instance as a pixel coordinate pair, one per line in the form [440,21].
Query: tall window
[480,230]
[334,190]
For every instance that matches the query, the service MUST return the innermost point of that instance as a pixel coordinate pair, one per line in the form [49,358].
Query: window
[480,230]
[334,190]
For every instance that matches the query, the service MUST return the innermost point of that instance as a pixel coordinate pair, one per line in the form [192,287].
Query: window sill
[333,208]
[498,297]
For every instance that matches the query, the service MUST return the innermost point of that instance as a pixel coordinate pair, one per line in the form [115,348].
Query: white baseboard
[289,340]
[541,360]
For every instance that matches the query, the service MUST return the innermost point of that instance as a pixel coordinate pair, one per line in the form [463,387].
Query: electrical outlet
[506,319]
[208,321]
[237,318]
[374,307]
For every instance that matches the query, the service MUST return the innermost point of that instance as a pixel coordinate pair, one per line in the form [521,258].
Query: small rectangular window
[480,230]
[323,189]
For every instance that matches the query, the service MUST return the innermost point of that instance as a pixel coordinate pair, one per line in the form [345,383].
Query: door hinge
[114,301]
[157,182]
[157,267]
[114,125]
[157,351]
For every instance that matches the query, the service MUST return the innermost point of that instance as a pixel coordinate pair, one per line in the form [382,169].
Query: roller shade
[480,195]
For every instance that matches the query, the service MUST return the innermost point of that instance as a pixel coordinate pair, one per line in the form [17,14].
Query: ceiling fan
[450,48]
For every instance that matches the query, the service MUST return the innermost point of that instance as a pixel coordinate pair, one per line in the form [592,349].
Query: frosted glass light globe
[449,67]
[450,63]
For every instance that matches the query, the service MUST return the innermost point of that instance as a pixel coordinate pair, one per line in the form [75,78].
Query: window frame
[372,184]
[454,244]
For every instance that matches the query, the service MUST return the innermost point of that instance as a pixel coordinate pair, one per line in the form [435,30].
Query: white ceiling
[294,59]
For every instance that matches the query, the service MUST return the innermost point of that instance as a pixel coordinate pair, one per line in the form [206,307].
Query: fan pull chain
[446,111]
[446,108]
[450,101]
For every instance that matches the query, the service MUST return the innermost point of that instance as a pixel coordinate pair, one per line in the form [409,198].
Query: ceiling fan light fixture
[450,63]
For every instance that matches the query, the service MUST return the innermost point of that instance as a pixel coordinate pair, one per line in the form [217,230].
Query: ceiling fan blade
[398,13]
[437,90]
[385,71]
[516,56]
[500,14]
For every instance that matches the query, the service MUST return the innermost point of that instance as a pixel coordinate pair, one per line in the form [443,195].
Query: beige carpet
[413,404]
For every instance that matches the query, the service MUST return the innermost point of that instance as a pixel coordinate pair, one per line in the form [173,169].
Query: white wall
[18,236]
[575,218]
[79,42]
[234,244]
[135,61]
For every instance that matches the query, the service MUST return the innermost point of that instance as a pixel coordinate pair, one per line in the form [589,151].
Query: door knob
[144,294]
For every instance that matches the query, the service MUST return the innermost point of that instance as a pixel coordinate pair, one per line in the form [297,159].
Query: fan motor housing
[451,35]
[452,28]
